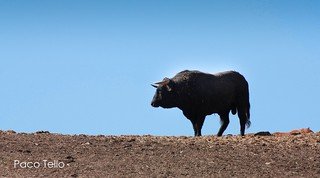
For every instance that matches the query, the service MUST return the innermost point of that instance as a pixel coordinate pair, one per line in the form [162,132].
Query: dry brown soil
[43,154]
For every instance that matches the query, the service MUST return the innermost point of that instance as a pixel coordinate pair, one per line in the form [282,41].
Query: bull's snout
[154,104]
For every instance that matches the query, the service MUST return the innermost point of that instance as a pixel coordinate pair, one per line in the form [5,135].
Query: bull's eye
[159,94]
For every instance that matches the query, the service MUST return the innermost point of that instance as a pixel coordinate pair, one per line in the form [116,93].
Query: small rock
[11,132]
[70,159]
[25,151]
[127,145]
[301,131]
[42,132]
[295,133]
[132,140]
[263,133]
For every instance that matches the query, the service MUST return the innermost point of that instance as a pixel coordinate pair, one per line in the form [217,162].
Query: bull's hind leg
[224,118]
[243,120]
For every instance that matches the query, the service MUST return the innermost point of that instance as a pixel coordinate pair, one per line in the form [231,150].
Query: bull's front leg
[197,125]
[196,120]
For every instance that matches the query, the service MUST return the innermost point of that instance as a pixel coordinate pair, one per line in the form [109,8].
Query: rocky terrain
[43,154]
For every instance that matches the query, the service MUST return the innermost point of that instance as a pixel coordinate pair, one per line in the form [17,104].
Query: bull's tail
[244,114]
[248,122]
[243,106]
[243,110]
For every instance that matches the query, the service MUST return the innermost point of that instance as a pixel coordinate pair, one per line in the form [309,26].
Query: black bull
[200,94]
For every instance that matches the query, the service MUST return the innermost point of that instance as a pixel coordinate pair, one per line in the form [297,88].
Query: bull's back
[220,82]
[215,85]
[222,90]
[232,79]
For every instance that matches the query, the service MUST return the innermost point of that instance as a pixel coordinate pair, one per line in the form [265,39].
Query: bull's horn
[158,83]
[165,81]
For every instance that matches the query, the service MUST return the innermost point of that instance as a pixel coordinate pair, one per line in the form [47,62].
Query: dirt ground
[43,154]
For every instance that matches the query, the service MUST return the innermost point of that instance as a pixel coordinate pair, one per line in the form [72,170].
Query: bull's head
[165,95]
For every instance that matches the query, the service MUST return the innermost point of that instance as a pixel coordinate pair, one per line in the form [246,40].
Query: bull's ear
[155,86]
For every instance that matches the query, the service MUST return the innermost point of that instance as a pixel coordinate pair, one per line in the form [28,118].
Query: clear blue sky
[78,67]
